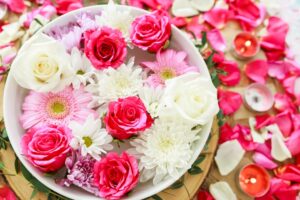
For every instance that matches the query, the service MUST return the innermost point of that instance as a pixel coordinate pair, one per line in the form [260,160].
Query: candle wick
[256,99]
[248,43]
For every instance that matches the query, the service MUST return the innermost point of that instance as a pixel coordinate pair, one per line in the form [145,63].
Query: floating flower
[192,96]
[116,175]
[151,32]
[229,102]
[82,67]
[164,149]
[168,65]
[80,172]
[118,83]
[151,98]
[47,147]
[127,117]
[44,66]
[114,18]
[56,108]
[105,47]
[90,137]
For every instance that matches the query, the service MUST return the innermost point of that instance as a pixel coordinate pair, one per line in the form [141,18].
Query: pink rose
[151,32]
[46,147]
[116,175]
[105,47]
[126,117]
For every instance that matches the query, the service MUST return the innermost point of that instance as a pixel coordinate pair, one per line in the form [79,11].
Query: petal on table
[257,71]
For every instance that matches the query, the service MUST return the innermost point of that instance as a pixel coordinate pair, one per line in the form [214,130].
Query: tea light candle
[258,97]
[245,45]
[254,180]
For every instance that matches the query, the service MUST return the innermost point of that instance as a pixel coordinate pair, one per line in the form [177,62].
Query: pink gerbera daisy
[168,64]
[56,108]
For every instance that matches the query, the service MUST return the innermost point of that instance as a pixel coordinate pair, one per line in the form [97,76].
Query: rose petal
[245,137]
[288,172]
[202,5]
[216,40]
[257,137]
[222,191]
[277,69]
[233,74]
[279,150]
[284,103]
[6,193]
[204,195]
[257,71]
[217,17]
[263,120]
[293,143]
[17,6]
[229,101]
[285,123]
[264,161]
[226,134]
[183,8]
[228,156]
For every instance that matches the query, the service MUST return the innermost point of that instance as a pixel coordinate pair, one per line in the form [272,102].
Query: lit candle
[258,97]
[245,45]
[254,180]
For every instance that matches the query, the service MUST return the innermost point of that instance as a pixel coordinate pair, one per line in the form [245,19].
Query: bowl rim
[68,193]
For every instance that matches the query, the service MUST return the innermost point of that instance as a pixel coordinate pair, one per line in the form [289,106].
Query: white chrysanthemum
[112,17]
[164,149]
[151,98]
[118,83]
[82,68]
[90,138]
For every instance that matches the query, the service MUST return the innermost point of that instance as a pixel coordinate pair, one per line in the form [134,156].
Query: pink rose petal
[277,69]
[293,143]
[285,123]
[233,74]
[216,40]
[245,137]
[263,120]
[257,71]
[6,193]
[264,149]
[264,161]
[17,6]
[229,101]
[216,17]
[284,103]
[226,134]
[288,172]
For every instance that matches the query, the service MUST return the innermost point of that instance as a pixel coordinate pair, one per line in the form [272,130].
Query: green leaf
[194,170]
[156,197]
[4,134]
[33,194]
[199,160]
[2,166]
[177,184]
[17,165]
[209,61]
[38,21]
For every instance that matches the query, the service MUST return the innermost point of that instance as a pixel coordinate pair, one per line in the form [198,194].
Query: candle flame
[248,43]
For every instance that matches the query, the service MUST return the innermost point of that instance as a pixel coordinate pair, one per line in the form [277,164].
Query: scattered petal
[226,134]
[233,74]
[202,5]
[284,103]
[293,143]
[244,137]
[204,195]
[285,123]
[264,161]
[228,156]
[183,8]
[216,17]
[288,172]
[257,137]
[257,71]
[278,69]
[222,191]
[229,101]
[216,40]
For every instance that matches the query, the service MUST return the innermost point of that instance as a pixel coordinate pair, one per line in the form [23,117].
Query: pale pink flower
[168,64]
[56,108]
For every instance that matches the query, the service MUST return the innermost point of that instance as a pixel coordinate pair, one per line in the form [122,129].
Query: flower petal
[288,172]
[257,71]
[284,103]
[183,8]
[228,156]
[285,123]
[222,191]
[216,40]
[277,69]
[217,17]
[293,143]
[229,101]
[233,74]
[264,161]
[202,5]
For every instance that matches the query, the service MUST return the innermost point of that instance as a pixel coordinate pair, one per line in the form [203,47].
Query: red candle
[245,45]
[254,180]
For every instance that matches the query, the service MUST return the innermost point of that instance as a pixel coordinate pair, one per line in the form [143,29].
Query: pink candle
[258,97]
[245,45]
[254,180]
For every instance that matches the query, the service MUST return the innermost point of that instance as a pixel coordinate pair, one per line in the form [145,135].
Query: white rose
[191,96]
[43,65]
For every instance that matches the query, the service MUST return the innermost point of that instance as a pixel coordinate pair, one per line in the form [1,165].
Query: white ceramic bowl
[14,96]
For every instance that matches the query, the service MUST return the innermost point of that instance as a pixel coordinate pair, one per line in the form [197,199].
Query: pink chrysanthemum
[168,64]
[56,108]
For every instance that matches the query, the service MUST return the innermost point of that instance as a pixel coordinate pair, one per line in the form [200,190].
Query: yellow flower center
[87,141]
[167,74]
[57,108]
[166,143]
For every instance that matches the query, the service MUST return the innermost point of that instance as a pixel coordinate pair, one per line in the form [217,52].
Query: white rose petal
[10,32]
[183,8]
[43,65]
[203,5]
[228,156]
[257,137]
[193,98]
[222,191]
[279,150]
